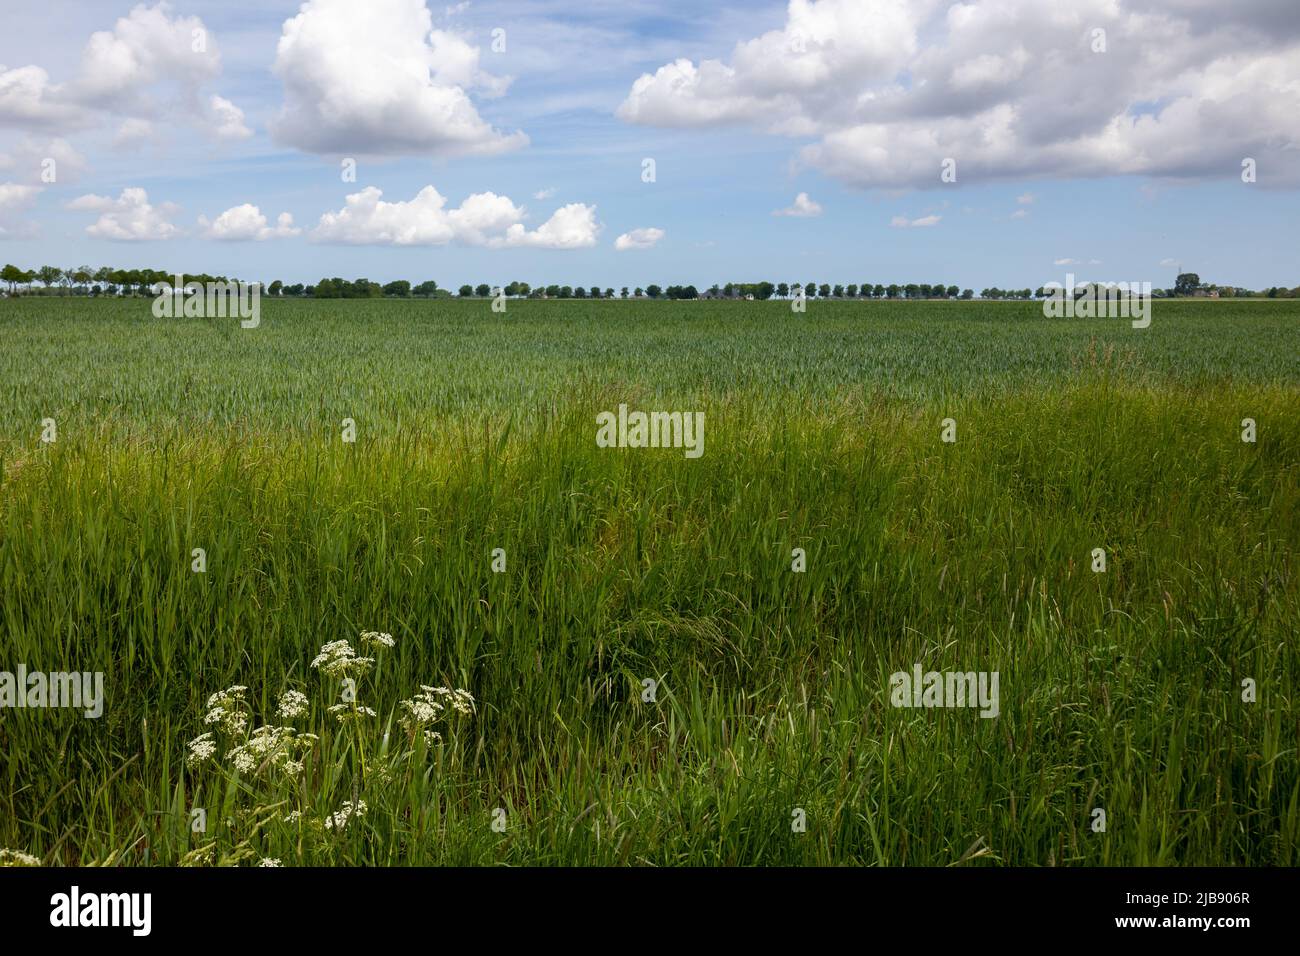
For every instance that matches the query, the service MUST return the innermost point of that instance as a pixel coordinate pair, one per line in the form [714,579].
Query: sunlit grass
[1119,690]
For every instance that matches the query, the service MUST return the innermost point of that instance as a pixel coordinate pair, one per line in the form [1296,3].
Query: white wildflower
[267,861]
[427,707]
[339,821]
[228,695]
[272,747]
[226,711]
[338,659]
[201,749]
[346,712]
[376,639]
[292,704]
[17,858]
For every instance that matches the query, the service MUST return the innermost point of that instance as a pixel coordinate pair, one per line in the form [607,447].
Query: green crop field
[671,660]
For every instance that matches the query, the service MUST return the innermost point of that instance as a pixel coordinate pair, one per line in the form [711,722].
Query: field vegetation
[647,681]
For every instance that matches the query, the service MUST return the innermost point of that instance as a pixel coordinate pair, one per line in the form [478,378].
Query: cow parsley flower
[201,750]
[339,821]
[226,710]
[292,704]
[268,746]
[377,640]
[267,861]
[17,858]
[339,659]
[429,706]
[346,712]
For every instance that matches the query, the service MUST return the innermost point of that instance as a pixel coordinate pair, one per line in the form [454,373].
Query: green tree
[1185,284]
[48,275]
[653,291]
[482,290]
[12,275]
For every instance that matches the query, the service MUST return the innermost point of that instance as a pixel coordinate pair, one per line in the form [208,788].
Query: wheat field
[473,636]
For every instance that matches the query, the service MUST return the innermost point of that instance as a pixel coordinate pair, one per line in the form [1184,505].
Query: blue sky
[1116,165]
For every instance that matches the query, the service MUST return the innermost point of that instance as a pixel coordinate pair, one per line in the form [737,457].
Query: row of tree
[85,280]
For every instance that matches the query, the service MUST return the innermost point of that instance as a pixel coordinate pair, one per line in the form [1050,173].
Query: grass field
[1120,691]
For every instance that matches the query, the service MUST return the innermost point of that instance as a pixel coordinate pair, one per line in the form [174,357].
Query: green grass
[476,431]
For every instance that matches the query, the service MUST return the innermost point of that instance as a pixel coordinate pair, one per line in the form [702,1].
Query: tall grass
[1120,690]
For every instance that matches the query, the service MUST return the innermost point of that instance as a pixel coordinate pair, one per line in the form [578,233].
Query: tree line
[105,280]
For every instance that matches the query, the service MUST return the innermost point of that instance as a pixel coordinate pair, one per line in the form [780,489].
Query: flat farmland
[671,660]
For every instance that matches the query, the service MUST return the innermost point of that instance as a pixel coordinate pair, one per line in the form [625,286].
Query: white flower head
[340,820]
[339,659]
[346,712]
[377,640]
[272,747]
[292,704]
[226,711]
[428,707]
[17,858]
[201,750]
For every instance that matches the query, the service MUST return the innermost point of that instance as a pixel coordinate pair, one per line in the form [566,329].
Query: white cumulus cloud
[246,223]
[129,218]
[150,66]
[227,119]
[802,207]
[375,78]
[482,219]
[43,161]
[902,222]
[14,199]
[638,239]
[1007,88]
